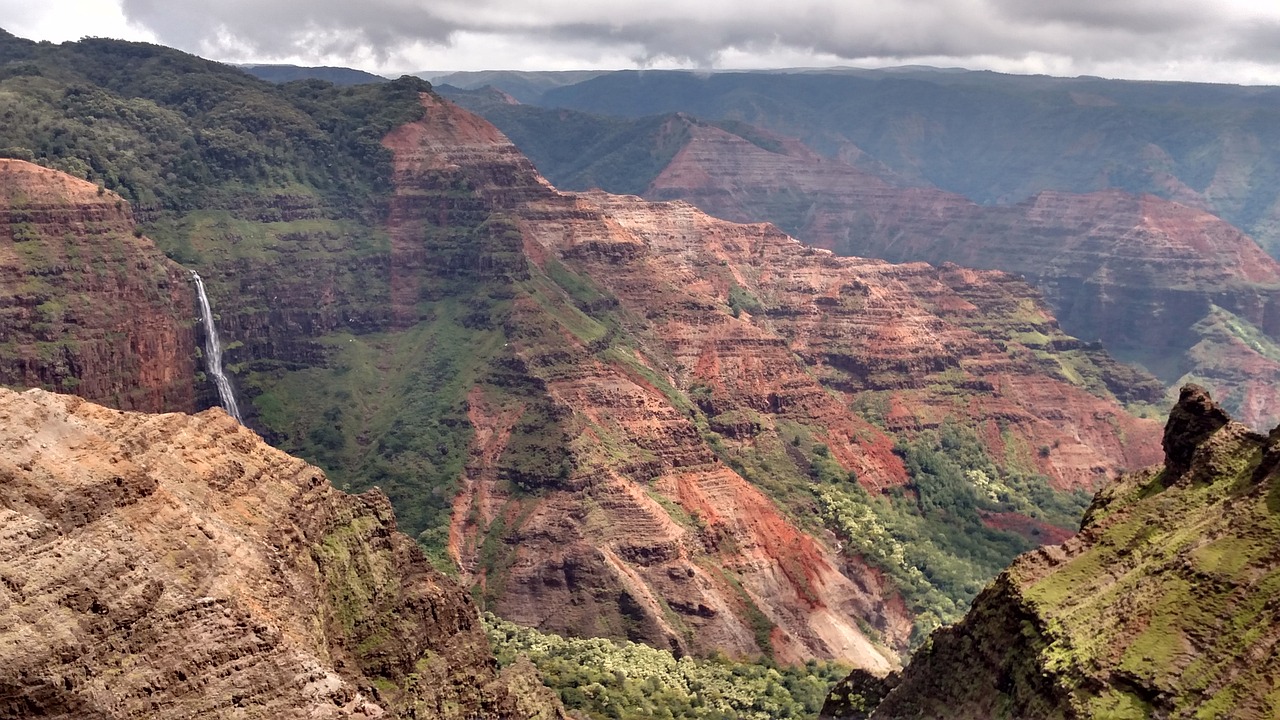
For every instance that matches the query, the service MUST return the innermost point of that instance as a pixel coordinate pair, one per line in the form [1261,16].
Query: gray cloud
[278,28]
[1078,32]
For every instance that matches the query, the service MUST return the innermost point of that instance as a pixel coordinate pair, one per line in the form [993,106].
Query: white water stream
[213,354]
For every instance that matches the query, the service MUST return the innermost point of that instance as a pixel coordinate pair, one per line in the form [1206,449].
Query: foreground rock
[166,566]
[1163,605]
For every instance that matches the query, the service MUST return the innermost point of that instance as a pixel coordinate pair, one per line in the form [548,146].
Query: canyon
[669,330]
[1158,282]
[611,417]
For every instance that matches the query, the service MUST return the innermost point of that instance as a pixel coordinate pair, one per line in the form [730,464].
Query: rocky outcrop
[166,566]
[595,500]
[88,305]
[1162,606]
[1140,273]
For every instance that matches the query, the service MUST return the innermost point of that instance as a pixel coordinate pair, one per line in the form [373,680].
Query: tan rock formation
[166,566]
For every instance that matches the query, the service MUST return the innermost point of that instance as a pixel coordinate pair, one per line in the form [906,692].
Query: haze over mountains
[604,415]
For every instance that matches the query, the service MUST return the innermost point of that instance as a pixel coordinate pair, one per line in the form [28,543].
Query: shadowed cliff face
[1162,606]
[171,565]
[1166,284]
[87,306]
[653,355]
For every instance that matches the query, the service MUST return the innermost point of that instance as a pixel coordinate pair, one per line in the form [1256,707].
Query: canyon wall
[1149,277]
[87,304]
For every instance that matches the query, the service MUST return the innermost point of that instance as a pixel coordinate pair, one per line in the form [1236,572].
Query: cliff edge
[166,566]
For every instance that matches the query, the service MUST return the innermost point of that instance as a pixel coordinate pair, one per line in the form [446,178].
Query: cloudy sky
[1235,41]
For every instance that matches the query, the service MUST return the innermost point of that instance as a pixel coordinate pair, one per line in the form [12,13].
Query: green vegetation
[1193,566]
[579,151]
[629,681]
[170,131]
[930,537]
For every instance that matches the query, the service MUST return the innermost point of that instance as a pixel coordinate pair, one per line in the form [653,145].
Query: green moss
[355,575]
[1119,705]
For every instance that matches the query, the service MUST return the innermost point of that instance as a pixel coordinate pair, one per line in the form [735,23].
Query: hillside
[611,417]
[165,566]
[1162,606]
[1159,283]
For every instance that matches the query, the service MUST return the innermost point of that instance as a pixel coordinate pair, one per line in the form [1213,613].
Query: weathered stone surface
[166,566]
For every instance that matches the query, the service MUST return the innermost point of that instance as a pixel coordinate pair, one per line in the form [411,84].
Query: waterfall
[213,354]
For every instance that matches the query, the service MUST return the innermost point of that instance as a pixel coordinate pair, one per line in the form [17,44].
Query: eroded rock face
[1139,273]
[165,566]
[641,530]
[86,306]
[1162,606]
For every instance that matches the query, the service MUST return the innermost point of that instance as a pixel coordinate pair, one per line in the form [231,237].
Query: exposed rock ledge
[167,566]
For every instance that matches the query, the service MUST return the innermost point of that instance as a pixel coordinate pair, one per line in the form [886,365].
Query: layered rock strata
[166,566]
[673,319]
[88,305]
[1137,272]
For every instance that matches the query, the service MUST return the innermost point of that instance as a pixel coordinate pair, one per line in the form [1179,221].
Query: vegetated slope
[605,679]
[654,344]
[88,305]
[997,138]
[625,419]
[1160,283]
[165,566]
[1162,606]
[230,175]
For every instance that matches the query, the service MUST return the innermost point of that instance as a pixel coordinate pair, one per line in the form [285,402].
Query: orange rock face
[85,305]
[1136,272]
[736,334]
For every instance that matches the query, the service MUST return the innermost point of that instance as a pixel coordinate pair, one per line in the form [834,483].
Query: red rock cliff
[1138,273]
[87,306]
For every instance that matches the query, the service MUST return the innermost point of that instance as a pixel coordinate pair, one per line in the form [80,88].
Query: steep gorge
[1159,280]
[630,419]
[667,334]
[1164,284]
